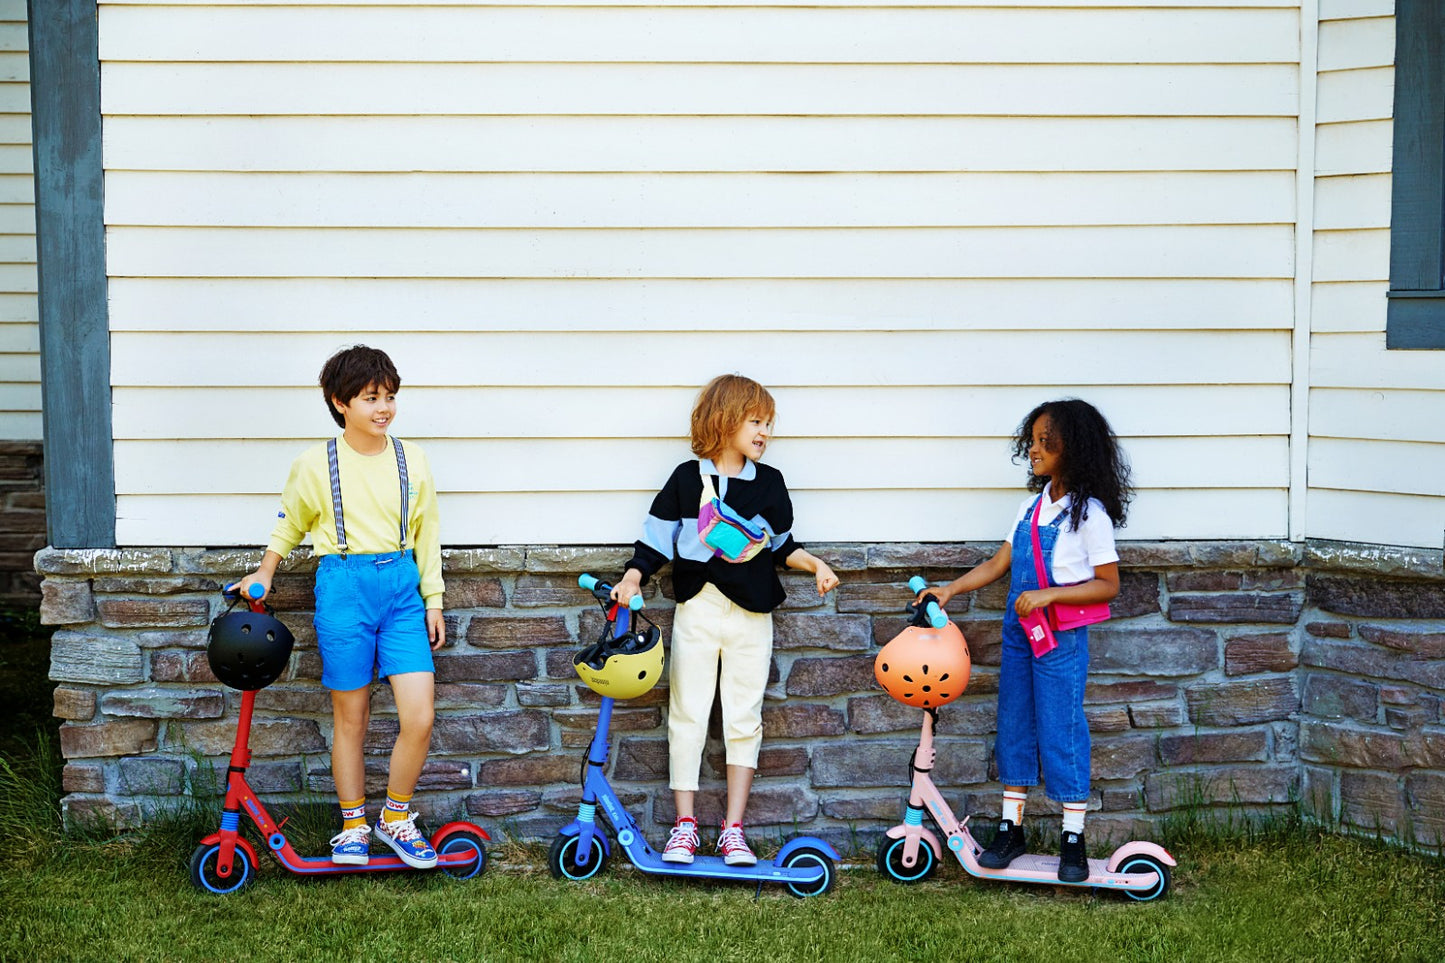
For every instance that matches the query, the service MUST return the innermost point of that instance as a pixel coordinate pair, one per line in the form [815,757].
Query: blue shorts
[370,619]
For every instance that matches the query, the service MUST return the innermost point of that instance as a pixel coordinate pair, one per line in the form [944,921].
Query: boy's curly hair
[1094,464]
[721,407]
[349,372]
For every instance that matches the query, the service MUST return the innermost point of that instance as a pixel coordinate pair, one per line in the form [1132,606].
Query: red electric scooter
[225,861]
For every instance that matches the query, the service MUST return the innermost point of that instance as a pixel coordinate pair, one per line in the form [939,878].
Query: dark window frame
[1415,316]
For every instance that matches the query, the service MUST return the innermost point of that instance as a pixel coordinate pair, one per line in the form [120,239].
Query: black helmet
[249,650]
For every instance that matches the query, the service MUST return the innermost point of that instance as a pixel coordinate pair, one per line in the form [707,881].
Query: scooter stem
[241,752]
[925,743]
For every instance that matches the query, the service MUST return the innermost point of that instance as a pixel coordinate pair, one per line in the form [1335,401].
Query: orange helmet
[924,666]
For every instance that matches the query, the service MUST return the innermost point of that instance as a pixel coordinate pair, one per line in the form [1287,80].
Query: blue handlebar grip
[916,584]
[635,603]
[255,590]
[588,582]
[936,618]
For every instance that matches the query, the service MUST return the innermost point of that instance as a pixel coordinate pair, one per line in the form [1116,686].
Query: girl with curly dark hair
[1081,481]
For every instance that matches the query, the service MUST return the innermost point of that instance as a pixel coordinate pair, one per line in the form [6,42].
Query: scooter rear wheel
[890,861]
[562,859]
[462,841]
[203,870]
[804,858]
[1146,864]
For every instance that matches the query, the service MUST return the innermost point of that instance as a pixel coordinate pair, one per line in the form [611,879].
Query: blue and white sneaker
[352,847]
[403,836]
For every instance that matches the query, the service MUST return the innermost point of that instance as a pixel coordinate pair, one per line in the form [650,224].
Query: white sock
[1013,806]
[1074,817]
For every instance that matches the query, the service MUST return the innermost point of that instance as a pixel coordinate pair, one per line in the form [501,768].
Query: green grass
[1286,894]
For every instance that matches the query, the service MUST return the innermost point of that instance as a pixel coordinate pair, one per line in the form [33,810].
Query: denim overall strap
[334,466]
[1023,574]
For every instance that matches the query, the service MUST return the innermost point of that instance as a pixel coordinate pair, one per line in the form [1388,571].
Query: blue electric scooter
[805,865]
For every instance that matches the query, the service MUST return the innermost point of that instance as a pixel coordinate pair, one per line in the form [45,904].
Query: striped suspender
[335,469]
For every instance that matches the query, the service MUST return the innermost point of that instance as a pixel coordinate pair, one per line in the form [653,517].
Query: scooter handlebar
[592,584]
[936,616]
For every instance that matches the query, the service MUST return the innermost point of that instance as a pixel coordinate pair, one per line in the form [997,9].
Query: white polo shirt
[1076,553]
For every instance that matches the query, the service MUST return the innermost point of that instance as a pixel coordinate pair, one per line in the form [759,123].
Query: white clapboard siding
[784,358]
[953,199]
[260,34]
[708,144]
[19,312]
[1376,449]
[1346,306]
[1392,519]
[1257,90]
[535,464]
[913,220]
[813,411]
[1115,252]
[376,306]
[1378,7]
[614,517]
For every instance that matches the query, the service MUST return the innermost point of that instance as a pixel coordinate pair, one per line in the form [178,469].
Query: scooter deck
[1035,868]
[713,867]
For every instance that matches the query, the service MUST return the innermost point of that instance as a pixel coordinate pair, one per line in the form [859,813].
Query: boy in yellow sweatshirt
[368,501]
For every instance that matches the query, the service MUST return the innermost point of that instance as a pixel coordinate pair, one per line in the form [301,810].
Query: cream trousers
[706,629]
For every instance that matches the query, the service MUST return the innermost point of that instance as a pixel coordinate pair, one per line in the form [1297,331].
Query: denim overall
[370,616]
[1041,700]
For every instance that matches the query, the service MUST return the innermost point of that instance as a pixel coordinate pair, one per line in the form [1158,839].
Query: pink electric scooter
[909,853]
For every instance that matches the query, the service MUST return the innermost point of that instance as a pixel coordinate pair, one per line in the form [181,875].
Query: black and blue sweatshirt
[759,494]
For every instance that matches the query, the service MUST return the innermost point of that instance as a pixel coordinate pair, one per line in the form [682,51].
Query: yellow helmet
[623,667]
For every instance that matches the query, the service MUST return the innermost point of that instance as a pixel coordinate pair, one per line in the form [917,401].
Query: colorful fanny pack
[730,536]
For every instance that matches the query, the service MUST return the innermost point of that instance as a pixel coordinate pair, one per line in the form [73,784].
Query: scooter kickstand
[758,893]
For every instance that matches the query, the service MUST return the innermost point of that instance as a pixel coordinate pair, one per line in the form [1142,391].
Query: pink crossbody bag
[1040,624]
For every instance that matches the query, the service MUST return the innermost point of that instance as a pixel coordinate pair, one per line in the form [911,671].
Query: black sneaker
[1073,862]
[1007,846]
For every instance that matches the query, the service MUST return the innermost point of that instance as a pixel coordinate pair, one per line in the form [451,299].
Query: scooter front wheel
[805,858]
[463,842]
[890,861]
[1146,864]
[562,859]
[204,875]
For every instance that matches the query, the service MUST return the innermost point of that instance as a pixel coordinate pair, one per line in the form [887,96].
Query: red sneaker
[734,847]
[681,842]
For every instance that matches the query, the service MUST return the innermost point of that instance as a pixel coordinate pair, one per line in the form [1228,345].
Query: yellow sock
[397,806]
[353,814]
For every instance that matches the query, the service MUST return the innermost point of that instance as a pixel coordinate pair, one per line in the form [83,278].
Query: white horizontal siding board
[1375,465]
[1120,252]
[20,368]
[1377,519]
[18,278]
[1356,95]
[726,34]
[1352,255]
[14,95]
[21,425]
[17,218]
[695,200]
[885,4]
[540,359]
[18,248]
[1397,415]
[526,465]
[1349,306]
[803,144]
[920,411]
[575,304]
[1351,44]
[1364,147]
[19,397]
[755,89]
[19,337]
[1352,202]
[17,188]
[615,517]
[14,65]
[16,159]
[1361,361]
[19,306]
[15,129]
[1354,9]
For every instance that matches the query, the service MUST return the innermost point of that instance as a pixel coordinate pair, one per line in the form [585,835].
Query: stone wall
[1240,673]
[22,520]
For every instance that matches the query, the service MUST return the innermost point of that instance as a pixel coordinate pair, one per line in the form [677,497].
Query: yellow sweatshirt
[371,505]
